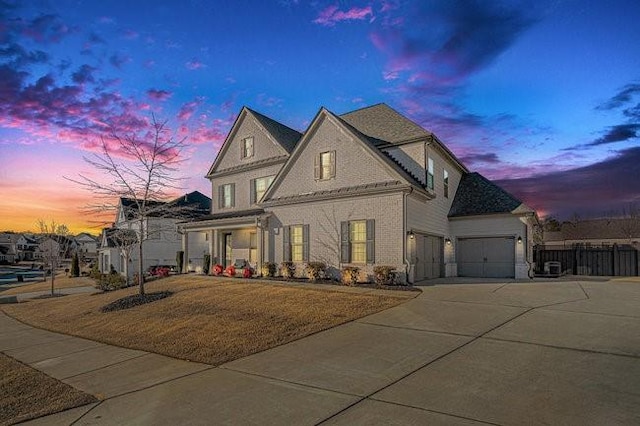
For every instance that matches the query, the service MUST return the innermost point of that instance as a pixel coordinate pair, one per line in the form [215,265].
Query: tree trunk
[140,263]
[53,277]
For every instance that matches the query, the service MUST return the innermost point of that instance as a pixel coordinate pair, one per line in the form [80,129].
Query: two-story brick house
[365,188]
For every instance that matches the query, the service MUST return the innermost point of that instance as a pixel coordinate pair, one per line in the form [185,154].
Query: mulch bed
[135,300]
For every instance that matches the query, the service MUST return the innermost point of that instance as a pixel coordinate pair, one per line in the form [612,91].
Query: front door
[228,250]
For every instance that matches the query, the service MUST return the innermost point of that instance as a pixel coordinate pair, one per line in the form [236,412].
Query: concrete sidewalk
[498,353]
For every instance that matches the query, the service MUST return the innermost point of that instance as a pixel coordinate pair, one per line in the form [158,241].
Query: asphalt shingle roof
[384,125]
[286,136]
[193,204]
[229,215]
[476,195]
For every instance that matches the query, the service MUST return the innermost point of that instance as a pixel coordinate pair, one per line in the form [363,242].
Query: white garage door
[486,257]
[428,257]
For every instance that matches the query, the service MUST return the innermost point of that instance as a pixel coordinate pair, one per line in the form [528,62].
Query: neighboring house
[27,246]
[9,247]
[365,188]
[86,246]
[161,240]
[595,233]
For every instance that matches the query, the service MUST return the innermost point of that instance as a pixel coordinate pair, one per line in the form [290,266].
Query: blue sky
[543,97]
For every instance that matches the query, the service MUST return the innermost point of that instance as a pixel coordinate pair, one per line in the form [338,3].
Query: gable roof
[384,125]
[285,137]
[476,195]
[358,136]
[193,204]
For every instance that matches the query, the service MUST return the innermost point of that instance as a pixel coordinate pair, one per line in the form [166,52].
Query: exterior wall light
[411,235]
[519,239]
[447,241]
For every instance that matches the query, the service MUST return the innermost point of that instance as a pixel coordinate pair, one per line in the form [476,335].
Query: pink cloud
[187,110]
[331,15]
[158,95]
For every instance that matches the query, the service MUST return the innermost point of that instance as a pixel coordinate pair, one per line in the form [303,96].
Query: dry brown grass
[26,393]
[61,282]
[207,320]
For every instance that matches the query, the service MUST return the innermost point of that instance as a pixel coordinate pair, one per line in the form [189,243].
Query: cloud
[476,158]
[332,15]
[187,109]
[119,59]
[158,95]
[591,190]
[194,64]
[130,34]
[46,28]
[84,75]
[618,133]
[624,96]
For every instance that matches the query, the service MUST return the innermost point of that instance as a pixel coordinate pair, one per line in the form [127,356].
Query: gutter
[407,264]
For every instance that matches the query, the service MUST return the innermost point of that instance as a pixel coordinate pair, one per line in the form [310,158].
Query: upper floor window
[325,165]
[247,147]
[258,187]
[430,173]
[226,195]
[445,181]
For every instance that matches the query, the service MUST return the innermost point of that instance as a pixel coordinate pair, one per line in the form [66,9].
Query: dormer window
[247,147]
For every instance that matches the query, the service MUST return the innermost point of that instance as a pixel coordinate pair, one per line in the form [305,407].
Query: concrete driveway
[490,353]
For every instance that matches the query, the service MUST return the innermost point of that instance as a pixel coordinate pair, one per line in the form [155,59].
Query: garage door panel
[486,257]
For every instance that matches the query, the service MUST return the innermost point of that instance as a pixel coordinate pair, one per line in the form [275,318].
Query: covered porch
[234,237]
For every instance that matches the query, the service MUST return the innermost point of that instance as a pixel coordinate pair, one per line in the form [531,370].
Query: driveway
[492,353]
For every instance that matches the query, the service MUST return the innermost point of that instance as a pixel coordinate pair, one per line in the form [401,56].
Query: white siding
[264,146]
[324,220]
[355,165]
[242,180]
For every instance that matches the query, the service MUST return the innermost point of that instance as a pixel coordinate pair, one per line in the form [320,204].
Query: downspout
[407,264]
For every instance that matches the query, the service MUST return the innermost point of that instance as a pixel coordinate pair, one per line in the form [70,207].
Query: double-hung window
[430,173]
[226,195]
[247,147]
[296,243]
[325,165]
[258,187]
[357,241]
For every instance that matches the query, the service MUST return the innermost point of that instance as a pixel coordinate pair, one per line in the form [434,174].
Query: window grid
[358,240]
[325,165]
[297,243]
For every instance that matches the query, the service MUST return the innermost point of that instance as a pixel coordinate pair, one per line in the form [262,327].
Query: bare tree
[630,222]
[140,168]
[54,246]
[126,240]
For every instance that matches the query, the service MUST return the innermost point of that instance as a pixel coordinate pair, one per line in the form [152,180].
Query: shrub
[350,275]
[383,275]
[111,281]
[247,272]
[230,271]
[288,269]
[95,272]
[218,269]
[268,269]
[161,271]
[315,270]
[206,262]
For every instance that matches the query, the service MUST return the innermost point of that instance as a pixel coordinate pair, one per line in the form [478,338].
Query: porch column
[260,238]
[215,256]
[212,245]
[185,249]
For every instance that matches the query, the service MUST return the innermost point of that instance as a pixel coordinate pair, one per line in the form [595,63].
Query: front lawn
[206,319]
[26,393]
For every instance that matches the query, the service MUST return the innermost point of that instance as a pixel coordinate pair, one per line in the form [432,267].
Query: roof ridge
[363,108]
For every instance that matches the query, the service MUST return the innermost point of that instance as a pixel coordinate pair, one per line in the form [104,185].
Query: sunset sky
[543,96]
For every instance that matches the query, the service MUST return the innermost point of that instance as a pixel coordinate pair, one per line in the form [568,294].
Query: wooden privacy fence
[602,261]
